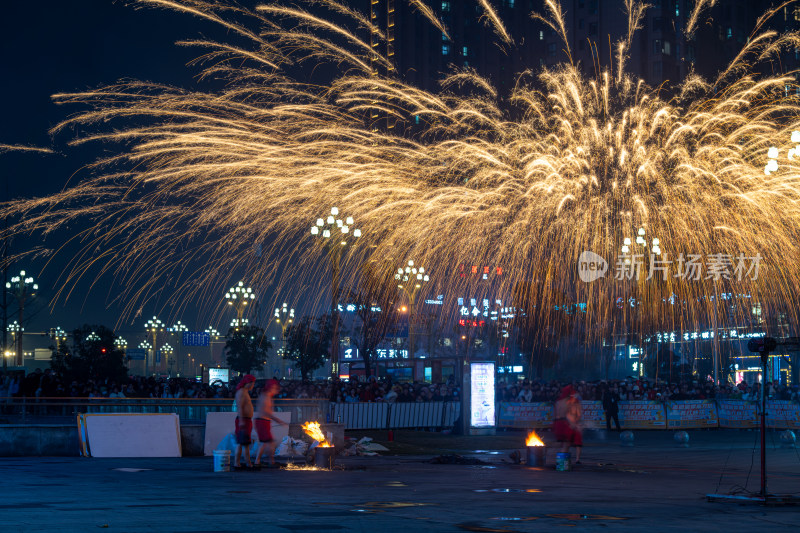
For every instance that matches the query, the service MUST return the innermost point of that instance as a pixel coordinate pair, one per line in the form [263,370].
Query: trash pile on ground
[363,446]
[290,447]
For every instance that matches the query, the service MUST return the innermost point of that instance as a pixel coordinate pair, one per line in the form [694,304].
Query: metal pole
[5,289]
[715,345]
[19,358]
[5,304]
[335,315]
[764,360]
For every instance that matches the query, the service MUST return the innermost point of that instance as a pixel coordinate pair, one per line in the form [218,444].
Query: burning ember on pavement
[313,430]
[533,440]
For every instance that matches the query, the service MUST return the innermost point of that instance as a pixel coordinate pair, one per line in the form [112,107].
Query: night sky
[55,46]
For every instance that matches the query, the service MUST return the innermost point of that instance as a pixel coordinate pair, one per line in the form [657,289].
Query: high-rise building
[660,51]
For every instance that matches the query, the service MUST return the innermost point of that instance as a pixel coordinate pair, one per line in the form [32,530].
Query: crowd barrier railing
[381,415]
[672,414]
[190,410]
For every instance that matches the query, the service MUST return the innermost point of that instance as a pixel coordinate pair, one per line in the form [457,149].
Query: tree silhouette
[90,355]
[307,344]
[247,348]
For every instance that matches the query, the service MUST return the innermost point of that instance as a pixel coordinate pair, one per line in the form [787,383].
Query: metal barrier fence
[378,415]
[189,410]
[672,414]
[396,415]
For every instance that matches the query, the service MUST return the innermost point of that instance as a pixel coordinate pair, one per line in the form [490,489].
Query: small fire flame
[313,430]
[533,440]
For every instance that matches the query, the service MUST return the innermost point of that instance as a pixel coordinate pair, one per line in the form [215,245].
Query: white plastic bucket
[222,460]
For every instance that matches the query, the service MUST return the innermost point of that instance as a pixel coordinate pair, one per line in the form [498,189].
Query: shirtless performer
[567,422]
[264,414]
[244,421]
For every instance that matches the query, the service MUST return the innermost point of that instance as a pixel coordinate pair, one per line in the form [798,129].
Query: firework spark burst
[527,180]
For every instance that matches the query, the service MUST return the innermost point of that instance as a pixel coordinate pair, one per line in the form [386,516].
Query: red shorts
[565,433]
[244,427]
[263,430]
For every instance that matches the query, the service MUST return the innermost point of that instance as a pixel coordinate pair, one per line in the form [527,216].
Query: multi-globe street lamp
[335,233]
[166,351]
[178,329]
[121,345]
[22,287]
[212,334]
[237,323]
[239,296]
[630,249]
[92,337]
[153,326]
[284,316]
[16,332]
[58,335]
[410,280]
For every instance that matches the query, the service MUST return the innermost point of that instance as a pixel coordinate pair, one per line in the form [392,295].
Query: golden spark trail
[525,180]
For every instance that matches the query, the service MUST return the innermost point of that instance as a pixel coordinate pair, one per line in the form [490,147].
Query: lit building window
[541,35]
[445,49]
[445,6]
[465,51]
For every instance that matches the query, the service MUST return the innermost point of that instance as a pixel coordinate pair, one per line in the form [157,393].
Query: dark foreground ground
[653,486]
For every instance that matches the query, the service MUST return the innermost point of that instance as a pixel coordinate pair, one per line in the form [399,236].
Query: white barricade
[130,435]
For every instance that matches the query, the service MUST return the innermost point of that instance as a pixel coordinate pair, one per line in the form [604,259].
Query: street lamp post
[22,287]
[146,346]
[178,329]
[284,316]
[212,333]
[410,279]
[153,327]
[336,233]
[628,251]
[167,350]
[59,335]
[16,333]
[239,296]
[122,345]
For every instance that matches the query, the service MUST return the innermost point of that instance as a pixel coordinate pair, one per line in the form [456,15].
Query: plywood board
[133,435]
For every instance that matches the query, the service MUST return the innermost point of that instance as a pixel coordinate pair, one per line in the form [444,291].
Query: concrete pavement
[653,486]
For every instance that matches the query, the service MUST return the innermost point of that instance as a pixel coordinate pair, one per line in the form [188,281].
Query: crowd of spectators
[47,384]
[641,389]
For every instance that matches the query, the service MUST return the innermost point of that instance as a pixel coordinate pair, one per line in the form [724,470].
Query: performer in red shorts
[264,414]
[244,421]
[567,422]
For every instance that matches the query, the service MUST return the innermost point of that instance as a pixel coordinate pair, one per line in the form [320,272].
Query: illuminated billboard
[482,395]
[218,374]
